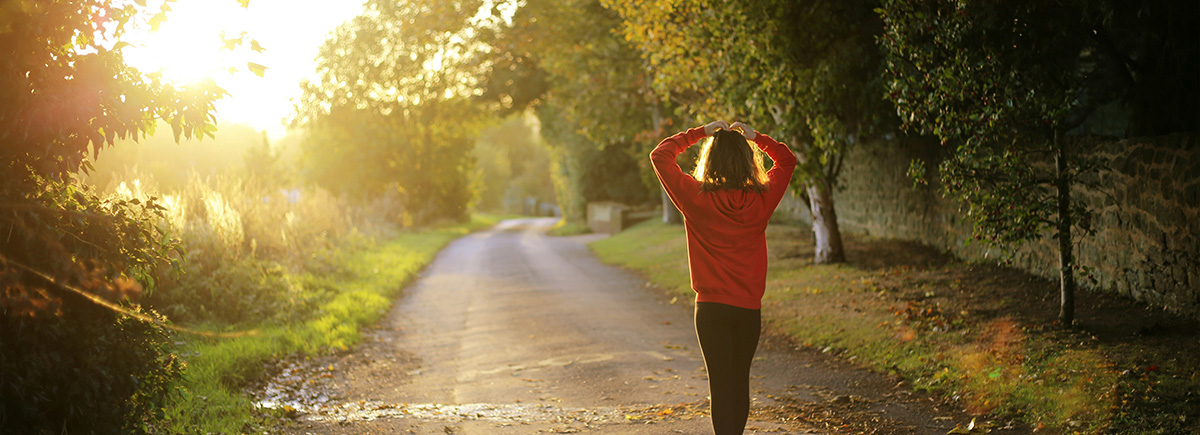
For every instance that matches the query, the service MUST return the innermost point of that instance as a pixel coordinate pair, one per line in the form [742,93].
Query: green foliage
[597,113]
[69,363]
[240,236]
[423,162]
[512,166]
[583,173]
[566,228]
[807,72]
[973,73]
[87,370]
[68,92]
[591,93]
[1004,83]
[392,113]
[65,94]
[247,291]
[351,289]
[596,78]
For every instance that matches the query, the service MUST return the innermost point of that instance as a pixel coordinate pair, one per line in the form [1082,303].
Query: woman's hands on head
[747,131]
[712,127]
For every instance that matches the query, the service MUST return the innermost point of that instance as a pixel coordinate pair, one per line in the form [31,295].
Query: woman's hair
[728,161]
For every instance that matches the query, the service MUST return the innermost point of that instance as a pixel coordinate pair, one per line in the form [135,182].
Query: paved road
[509,331]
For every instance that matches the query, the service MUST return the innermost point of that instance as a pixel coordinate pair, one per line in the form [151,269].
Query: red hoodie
[726,229]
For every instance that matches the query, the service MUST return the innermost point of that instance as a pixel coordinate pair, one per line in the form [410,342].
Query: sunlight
[188,47]
[195,43]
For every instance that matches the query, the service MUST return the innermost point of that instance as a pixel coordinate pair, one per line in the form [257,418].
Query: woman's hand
[712,127]
[747,131]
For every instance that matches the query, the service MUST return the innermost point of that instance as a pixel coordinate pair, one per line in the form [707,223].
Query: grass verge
[978,335]
[566,228]
[211,398]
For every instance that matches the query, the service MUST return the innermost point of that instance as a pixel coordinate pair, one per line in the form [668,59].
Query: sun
[189,46]
[196,43]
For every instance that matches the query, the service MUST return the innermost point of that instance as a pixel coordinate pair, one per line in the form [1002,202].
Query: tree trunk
[671,215]
[1066,249]
[828,247]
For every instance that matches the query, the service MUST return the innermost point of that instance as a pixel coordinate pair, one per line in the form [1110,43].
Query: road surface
[510,331]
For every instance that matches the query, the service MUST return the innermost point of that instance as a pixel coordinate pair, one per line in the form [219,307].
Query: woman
[726,203]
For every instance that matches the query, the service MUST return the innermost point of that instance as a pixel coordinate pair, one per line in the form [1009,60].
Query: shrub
[251,248]
[70,364]
[89,370]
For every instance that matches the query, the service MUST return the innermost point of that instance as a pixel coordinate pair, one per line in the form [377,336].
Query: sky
[188,47]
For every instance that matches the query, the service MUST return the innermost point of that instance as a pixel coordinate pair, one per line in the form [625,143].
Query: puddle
[300,388]
[516,413]
[297,386]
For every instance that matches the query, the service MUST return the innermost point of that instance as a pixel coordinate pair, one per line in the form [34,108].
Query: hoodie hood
[740,206]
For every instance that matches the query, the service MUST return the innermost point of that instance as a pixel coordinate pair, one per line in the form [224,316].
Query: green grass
[211,398]
[567,228]
[655,249]
[926,325]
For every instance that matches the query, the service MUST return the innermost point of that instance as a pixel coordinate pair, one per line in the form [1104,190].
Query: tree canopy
[806,72]
[591,93]
[1004,85]
[393,110]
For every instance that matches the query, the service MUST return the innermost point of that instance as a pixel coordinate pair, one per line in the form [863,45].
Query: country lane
[511,331]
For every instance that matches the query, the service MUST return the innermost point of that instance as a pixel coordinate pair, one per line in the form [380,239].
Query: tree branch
[40,208]
[122,310]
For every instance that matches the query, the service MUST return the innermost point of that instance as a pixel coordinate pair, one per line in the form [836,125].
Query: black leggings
[728,338]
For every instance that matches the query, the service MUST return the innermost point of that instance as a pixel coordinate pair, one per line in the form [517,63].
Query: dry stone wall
[1147,202]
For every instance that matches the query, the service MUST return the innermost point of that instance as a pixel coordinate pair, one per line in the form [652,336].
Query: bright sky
[188,47]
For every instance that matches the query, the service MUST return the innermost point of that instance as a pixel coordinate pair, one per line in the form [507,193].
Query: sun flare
[188,47]
[227,43]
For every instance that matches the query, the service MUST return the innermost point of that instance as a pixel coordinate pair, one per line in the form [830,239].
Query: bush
[250,249]
[71,365]
[88,370]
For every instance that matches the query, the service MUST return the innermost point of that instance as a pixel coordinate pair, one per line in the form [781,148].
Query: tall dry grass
[252,249]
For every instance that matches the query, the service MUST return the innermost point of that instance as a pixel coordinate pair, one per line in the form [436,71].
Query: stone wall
[1146,243]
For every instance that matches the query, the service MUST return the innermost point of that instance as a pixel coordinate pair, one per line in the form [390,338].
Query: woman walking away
[726,203]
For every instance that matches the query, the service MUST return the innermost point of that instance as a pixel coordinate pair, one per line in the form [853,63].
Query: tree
[394,109]
[805,72]
[1005,84]
[512,166]
[592,97]
[78,355]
